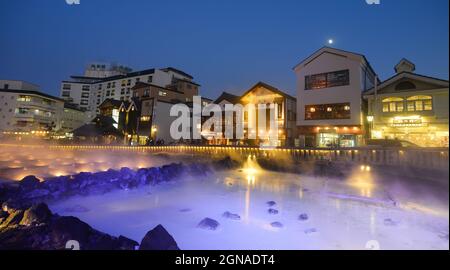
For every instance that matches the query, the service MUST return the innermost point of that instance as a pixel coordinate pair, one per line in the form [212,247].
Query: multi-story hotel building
[101,82]
[330,83]
[410,107]
[25,110]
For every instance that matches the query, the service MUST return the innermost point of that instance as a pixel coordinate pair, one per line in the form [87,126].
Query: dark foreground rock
[158,239]
[36,228]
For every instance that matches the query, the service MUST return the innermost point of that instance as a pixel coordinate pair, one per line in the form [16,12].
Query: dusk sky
[226,45]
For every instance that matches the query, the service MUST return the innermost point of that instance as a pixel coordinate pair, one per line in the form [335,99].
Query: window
[327,111]
[137,80]
[108,85]
[419,103]
[150,79]
[85,95]
[162,93]
[146,93]
[6,86]
[85,88]
[84,102]
[393,104]
[327,80]
[22,110]
[23,99]
[108,93]
[66,94]
[122,91]
[67,86]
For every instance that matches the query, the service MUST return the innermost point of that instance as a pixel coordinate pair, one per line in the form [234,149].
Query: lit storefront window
[420,103]
[393,104]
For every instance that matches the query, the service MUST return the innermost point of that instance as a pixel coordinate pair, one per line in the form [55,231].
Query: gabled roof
[113,102]
[334,51]
[439,82]
[269,87]
[233,99]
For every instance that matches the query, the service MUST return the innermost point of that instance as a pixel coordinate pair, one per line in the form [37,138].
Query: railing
[427,158]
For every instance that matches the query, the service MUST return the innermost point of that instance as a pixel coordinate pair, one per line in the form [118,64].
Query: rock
[126,243]
[271,203]
[14,218]
[184,210]
[37,193]
[76,209]
[36,214]
[29,183]
[272,211]
[303,217]
[158,239]
[232,216]
[208,224]
[276,224]
[310,230]
[389,222]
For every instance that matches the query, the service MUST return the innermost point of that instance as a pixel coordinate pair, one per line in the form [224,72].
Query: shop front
[331,137]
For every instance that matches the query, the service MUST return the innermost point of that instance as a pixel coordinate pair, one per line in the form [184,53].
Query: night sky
[226,45]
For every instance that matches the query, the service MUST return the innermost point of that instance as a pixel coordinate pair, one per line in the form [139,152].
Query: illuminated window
[327,111]
[24,98]
[326,80]
[393,104]
[420,103]
[162,93]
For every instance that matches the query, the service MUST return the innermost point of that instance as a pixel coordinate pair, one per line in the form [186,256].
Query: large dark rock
[158,239]
[208,224]
[29,183]
[272,211]
[37,228]
[37,214]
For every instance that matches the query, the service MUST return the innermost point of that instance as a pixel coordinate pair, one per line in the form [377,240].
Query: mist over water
[344,213]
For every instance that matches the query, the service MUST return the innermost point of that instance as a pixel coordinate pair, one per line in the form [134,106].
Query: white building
[329,105]
[26,110]
[101,82]
[72,118]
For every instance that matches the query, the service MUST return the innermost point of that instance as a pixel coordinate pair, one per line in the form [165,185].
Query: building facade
[27,111]
[410,107]
[330,110]
[101,82]
[257,130]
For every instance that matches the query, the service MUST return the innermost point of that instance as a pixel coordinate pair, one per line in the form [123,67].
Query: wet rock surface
[303,217]
[208,224]
[232,216]
[276,224]
[271,203]
[31,190]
